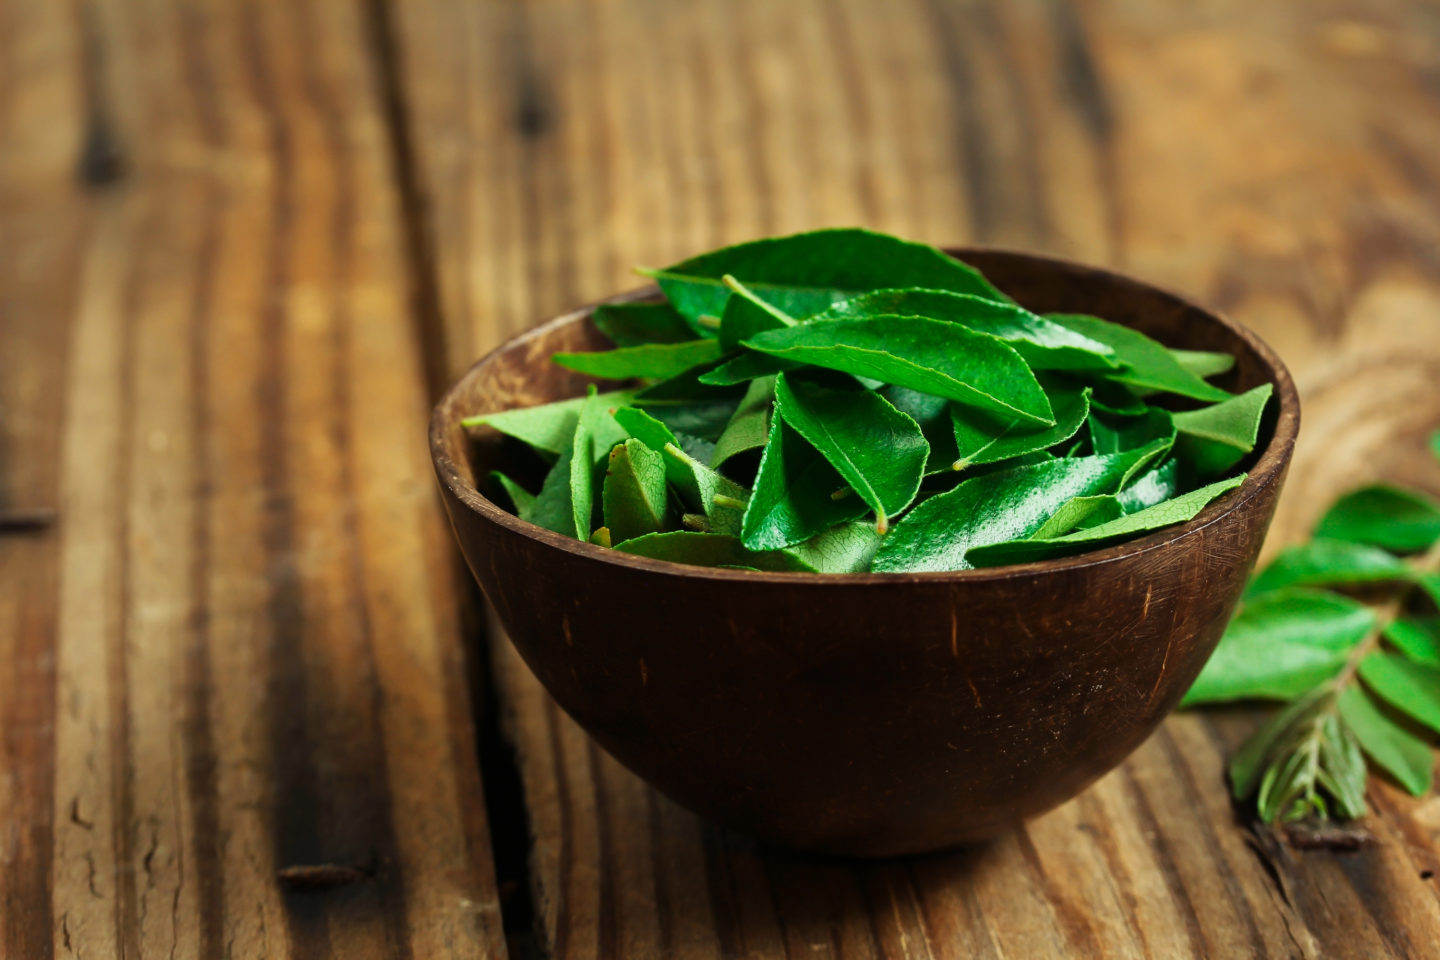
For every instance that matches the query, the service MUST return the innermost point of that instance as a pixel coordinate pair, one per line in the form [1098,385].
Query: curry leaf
[554,508]
[1256,754]
[720,500]
[1203,363]
[707,550]
[981,437]
[746,315]
[749,425]
[522,499]
[932,413]
[1044,344]
[1417,638]
[1410,687]
[1383,516]
[931,356]
[651,360]
[1011,505]
[1155,485]
[549,427]
[1179,510]
[1328,563]
[655,433]
[749,365]
[1281,645]
[631,324]
[1075,514]
[1146,364]
[879,451]
[1389,743]
[1314,756]
[596,434]
[845,548]
[803,274]
[795,494]
[634,495]
[645,428]
[1213,439]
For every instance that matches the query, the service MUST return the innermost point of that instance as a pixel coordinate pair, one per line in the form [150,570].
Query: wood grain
[235,658]
[1275,160]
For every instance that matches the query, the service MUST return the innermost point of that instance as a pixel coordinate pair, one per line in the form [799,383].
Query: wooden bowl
[869,714]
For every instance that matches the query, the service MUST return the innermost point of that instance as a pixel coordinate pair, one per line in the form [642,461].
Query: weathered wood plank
[234,665]
[1274,159]
[40,228]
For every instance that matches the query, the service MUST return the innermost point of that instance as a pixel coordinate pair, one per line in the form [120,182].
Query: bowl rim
[1269,467]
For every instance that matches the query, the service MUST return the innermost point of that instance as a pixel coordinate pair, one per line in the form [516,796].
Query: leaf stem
[1386,614]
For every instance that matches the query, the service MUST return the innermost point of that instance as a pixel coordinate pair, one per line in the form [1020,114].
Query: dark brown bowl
[869,714]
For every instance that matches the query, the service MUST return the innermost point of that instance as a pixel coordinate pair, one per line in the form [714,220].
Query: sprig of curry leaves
[1360,673]
[845,401]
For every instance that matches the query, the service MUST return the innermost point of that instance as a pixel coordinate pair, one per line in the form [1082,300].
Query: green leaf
[1044,344]
[707,550]
[981,437]
[1213,439]
[1011,505]
[721,500]
[748,366]
[1405,756]
[1342,771]
[1383,516]
[746,315]
[1410,687]
[1076,513]
[634,494]
[653,360]
[1430,583]
[1327,563]
[1203,363]
[522,499]
[549,427]
[794,497]
[1417,638]
[749,425]
[1282,644]
[879,451]
[1182,509]
[645,428]
[1314,755]
[932,413]
[1154,486]
[846,548]
[554,508]
[931,356]
[1255,755]
[1147,365]
[1112,434]
[631,324]
[596,434]
[655,434]
[803,274]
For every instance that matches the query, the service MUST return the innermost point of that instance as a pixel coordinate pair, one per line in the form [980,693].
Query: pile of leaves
[843,401]
[1344,628]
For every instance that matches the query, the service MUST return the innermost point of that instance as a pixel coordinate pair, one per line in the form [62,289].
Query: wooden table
[242,242]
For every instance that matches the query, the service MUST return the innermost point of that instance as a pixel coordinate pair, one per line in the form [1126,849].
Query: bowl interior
[520,374]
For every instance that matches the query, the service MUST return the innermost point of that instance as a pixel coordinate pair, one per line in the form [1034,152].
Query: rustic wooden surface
[1277,160]
[234,711]
[241,241]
